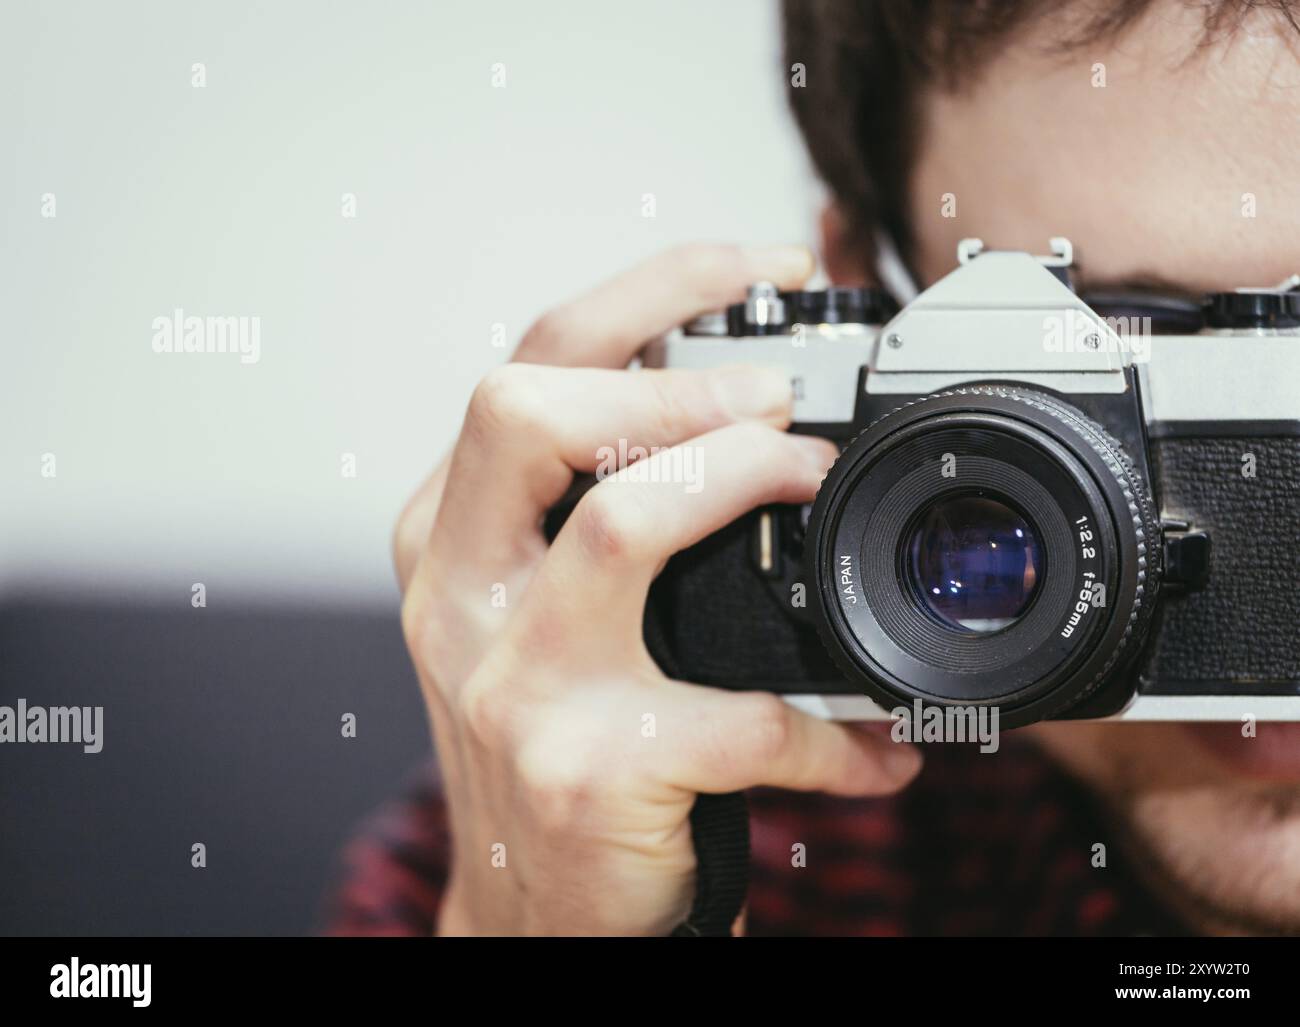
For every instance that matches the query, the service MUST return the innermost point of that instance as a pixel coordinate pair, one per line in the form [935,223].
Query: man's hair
[868,65]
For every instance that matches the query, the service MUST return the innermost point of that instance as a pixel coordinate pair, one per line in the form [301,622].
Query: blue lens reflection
[974,563]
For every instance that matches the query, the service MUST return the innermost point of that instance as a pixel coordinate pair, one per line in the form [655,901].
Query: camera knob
[763,312]
[1263,308]
[840,305]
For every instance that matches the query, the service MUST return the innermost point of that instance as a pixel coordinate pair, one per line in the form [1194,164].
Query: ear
[841,256]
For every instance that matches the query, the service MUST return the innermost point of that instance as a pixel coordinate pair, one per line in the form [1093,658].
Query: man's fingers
[529,428]
[730,741]
[626,527]
[607,326]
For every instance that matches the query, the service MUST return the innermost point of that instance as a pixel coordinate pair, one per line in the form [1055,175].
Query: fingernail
[819,453]
[785,265]
[748,392]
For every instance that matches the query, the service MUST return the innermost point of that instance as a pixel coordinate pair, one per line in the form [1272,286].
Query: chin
[1212,818]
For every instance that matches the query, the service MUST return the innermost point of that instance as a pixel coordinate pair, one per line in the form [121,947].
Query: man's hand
[566,819]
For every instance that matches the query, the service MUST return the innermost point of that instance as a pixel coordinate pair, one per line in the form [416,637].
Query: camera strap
[719,831]
[720,834]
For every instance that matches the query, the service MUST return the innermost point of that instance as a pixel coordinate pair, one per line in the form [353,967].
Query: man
[1137,130]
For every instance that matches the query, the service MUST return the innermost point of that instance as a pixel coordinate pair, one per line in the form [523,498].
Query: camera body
[1060,506]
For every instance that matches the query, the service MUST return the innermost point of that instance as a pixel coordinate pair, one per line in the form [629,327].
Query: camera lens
[986,546]
[973,562]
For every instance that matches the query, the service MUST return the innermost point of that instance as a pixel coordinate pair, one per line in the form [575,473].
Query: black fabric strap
[720,833]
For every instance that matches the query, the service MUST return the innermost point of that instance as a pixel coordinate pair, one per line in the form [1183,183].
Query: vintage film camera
[1053,504]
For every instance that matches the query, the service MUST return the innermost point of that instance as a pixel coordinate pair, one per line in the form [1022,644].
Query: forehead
[1154,156]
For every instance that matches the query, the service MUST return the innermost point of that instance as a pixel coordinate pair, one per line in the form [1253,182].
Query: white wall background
[475,205]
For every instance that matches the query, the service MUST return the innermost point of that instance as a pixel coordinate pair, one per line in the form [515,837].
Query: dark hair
[868,65]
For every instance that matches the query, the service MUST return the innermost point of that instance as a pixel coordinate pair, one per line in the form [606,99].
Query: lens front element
[973,563]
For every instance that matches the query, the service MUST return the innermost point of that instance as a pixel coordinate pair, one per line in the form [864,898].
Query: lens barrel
[988,546]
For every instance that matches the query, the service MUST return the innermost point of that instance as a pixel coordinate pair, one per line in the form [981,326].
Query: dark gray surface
[219,727]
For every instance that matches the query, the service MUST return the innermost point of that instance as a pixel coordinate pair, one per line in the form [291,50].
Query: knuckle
[407,538]
[508,397]
[412,529]
[611,523]
[488,713]
[417,628]
[422,616]
[413,617]
[769,725]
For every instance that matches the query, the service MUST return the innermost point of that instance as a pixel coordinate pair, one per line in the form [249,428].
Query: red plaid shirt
[998,844]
